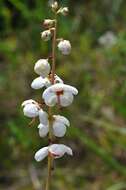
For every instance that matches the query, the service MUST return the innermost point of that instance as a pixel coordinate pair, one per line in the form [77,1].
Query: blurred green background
[96,66]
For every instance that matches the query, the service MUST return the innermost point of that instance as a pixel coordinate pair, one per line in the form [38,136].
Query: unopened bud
[46,35]
[42,67]
[48,23]
[65,47]
[54,6]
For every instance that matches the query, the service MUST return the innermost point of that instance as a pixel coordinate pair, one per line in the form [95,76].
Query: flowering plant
[55,93]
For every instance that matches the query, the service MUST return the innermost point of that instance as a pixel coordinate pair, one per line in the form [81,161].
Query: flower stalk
[56,93]
[54,50]
[50,160]
[48,182]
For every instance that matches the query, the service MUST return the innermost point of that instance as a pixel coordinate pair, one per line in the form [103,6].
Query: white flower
[58,126]
[65,11]
[42,67]
[61,94]
[65,47]
[41,82]
[55,150]
[30,108]
[46,35]
[108,39]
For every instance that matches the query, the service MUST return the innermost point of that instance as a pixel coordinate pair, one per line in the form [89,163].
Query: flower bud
[65,47]
[31,110]
[48,23]
[46,35]
[54,6]
[42,67]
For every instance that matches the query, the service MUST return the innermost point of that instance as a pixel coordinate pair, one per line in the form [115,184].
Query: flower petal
[41,154]
[58,79]
[55,87]
[47,82]
[68,150]
[59,129]
[58,150]
[43,130]
[60,86]
[66,99]
[38,83]
[52,101]
[71,89]
[30,101]
[50,98]
[31,110]
[42,67]
[62,119]
[43,117]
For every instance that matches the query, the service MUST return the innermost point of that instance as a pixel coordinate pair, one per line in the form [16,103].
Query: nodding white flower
[42,67]
[61,94]
[30,108]
[64,11]
[46,35]
[41,82]
[58,126]
[54,150]
[65,47]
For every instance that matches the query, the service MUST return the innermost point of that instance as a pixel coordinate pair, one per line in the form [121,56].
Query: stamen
[58,99]
[53,154]
[60,92]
